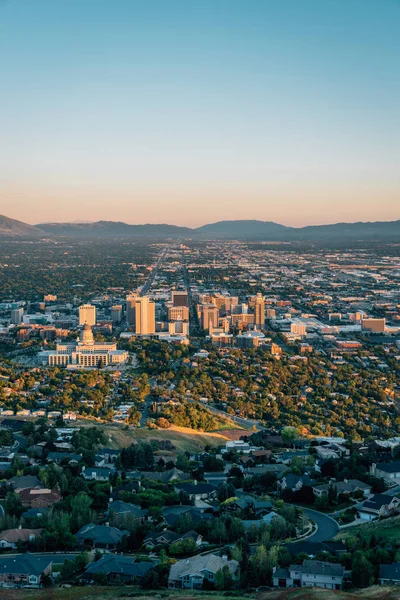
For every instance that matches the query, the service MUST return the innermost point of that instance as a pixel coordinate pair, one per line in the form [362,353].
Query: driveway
[327,527]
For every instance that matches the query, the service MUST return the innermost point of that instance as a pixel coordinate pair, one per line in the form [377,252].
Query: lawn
[388,529]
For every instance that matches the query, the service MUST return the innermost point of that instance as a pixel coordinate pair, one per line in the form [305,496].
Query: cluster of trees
[194,416]
[137,455]
[340,400]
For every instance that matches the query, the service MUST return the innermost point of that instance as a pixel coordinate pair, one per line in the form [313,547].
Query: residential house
[239,446]
[348,487]
[106,456]
[165,538]
[312,573]
[166,476]
[389,471]
[24,570]
[118,569]
[23,482]
[39,497]
[197,491]
[276,469]
[389,574]
[100,536]
[59,457]
[293,482]
[287,457]
[97,473]
[216,478]
[266,520]
[191,572]
[379,505]
[173,514]
[120,508]
[10,537]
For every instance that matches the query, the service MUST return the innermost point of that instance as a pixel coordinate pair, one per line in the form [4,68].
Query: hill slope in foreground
[12,227]
[112,593]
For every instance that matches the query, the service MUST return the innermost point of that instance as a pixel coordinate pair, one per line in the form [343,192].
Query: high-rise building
[179,298]
[87,314]
[145,316]
[17,315]
[131,309]
[259,311]
[178,313]
[116,314]
[209,316]
[224,303]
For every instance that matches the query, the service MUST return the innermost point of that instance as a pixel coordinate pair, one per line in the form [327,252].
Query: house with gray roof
[24,570]
[100,536]
[389,574]
[165,538]
[293,482]
[190,573]
[348,487]
[379,505]
[118,569]
[59,457]
[389,471]
[97,473]
[23,482]
[120,508]
[312,573]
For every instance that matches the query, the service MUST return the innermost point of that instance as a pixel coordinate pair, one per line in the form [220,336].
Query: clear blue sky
[192,111]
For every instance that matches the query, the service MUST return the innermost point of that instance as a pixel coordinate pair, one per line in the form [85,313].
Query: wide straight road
[327,527]
[153,273]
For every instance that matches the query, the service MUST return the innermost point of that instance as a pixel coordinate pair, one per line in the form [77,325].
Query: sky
[194,111]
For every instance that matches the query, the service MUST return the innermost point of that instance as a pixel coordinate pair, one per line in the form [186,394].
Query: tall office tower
[145,316]
[178,313]
[131,309]
[209,316]
[116,314]
[179,298]
[87,314]
[259,311]
[17,315]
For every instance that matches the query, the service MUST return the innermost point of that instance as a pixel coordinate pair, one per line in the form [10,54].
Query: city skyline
[160,112]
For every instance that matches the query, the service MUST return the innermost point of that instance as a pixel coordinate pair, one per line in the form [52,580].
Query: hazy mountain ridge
[239,229]
[112,228]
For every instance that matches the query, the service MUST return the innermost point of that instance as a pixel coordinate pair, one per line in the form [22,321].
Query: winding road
[327,527]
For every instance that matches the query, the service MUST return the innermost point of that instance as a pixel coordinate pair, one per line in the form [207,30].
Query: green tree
[80,510]
[362,570]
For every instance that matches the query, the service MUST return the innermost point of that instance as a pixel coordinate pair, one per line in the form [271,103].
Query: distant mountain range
[241,229]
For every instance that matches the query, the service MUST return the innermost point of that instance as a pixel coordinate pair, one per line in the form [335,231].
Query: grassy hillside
[112,593]
[388,529]
[372,593]
[182,438]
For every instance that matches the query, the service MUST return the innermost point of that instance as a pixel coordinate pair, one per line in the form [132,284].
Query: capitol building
[85,352]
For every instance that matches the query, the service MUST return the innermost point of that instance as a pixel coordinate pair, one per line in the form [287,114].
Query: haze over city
[192,112]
